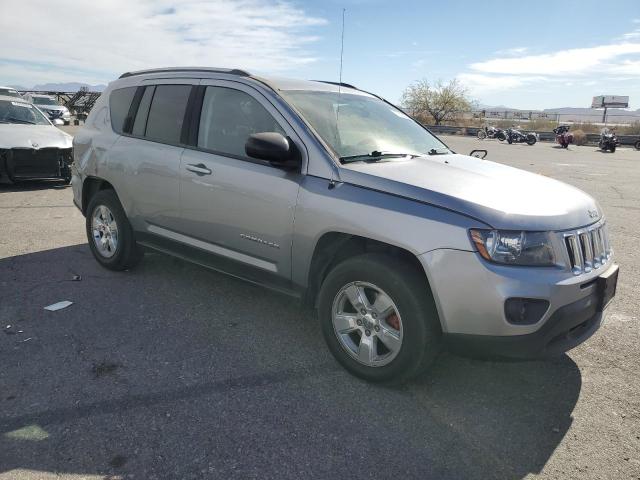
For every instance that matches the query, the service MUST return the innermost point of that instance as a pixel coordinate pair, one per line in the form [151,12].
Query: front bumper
[30,163]
[567,328]
[470,296]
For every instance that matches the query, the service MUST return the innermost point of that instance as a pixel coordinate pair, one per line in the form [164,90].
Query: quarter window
[228,117]
[140,123]
[166,114]
[119,104]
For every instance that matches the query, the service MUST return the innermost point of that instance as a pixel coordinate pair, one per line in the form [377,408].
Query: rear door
[149,152]
[232,205]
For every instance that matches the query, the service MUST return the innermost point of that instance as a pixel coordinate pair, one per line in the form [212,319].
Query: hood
[25,136]
[501,196]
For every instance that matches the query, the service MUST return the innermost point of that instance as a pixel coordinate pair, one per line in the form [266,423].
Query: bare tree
[439,101]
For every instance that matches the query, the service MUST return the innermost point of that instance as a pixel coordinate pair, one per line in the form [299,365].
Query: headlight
[513,247]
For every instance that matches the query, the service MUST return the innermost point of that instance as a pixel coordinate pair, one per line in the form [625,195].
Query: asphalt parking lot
[174,371]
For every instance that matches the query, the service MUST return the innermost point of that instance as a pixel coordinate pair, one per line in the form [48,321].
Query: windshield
[44,101]
[21,112]
[361,125]
[9,92]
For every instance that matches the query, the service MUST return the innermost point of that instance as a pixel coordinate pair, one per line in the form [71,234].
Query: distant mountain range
[61,87]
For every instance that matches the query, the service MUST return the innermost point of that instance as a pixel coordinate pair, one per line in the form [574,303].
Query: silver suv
[333,195]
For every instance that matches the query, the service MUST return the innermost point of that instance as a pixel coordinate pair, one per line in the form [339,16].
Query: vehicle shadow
[174,371]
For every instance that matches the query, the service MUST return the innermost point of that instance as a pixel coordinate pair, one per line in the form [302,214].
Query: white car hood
[501,196]
[33,136]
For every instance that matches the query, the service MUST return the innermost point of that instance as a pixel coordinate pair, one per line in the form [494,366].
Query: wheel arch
[334,247]
[90,186]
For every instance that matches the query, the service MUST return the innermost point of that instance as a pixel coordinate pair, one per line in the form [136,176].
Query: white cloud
[576,61]
[103,39]
[510,70]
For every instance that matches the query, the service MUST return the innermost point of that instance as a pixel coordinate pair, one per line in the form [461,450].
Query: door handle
[200,169]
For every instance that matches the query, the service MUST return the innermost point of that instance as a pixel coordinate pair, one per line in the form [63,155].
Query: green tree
[438,101]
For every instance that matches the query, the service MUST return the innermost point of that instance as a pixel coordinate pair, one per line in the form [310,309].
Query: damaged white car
[31,147]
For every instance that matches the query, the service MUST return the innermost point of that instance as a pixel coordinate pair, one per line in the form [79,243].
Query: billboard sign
[615,101]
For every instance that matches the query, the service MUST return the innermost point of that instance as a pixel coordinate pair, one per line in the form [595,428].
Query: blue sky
[528,55]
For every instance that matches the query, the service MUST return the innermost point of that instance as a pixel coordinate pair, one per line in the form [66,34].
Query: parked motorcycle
[608,140]
[563,137]
[489,131]
[516,136]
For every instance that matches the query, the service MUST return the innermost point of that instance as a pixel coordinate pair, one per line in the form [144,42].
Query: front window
[228,117]
[360,125]
[44,101]
[21,112]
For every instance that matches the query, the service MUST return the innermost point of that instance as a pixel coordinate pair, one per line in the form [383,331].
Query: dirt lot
[174,371]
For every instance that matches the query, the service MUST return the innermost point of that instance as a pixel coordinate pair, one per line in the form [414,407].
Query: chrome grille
[588,248]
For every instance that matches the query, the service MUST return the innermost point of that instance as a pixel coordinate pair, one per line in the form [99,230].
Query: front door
[232,205]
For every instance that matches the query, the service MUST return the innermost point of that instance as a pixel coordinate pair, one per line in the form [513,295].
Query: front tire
[109,233]
[482,134]
[378,318]
[637,145]
[501,137]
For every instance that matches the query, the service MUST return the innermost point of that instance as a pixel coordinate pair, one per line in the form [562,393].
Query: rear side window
[228,117]
[119,104]
[166,115]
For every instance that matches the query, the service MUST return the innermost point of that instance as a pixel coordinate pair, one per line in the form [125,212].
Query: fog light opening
[525,311]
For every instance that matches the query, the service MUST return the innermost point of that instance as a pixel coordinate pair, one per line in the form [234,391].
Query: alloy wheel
[367,323]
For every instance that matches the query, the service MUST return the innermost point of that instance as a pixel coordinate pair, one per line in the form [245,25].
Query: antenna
[341,48]
[340,74]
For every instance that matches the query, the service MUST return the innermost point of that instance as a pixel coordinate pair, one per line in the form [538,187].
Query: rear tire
[501,137]
[384,281]
[531,140]
[637,145]
[482,134]
[613,149]
[109,233]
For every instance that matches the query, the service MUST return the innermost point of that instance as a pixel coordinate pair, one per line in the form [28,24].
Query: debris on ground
[58,306]
[76,278]
[104,368]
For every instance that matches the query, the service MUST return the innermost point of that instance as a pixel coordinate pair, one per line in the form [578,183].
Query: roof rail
[341,84]
[231,71]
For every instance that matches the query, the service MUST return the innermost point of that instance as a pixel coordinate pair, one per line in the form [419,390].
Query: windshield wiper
[374,156]
[439,151]
[20,120]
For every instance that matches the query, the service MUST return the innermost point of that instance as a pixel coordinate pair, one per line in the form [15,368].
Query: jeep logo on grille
[592,213]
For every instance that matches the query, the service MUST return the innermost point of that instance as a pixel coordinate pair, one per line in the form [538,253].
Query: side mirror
[275,148]
[481,154]
[57,121]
